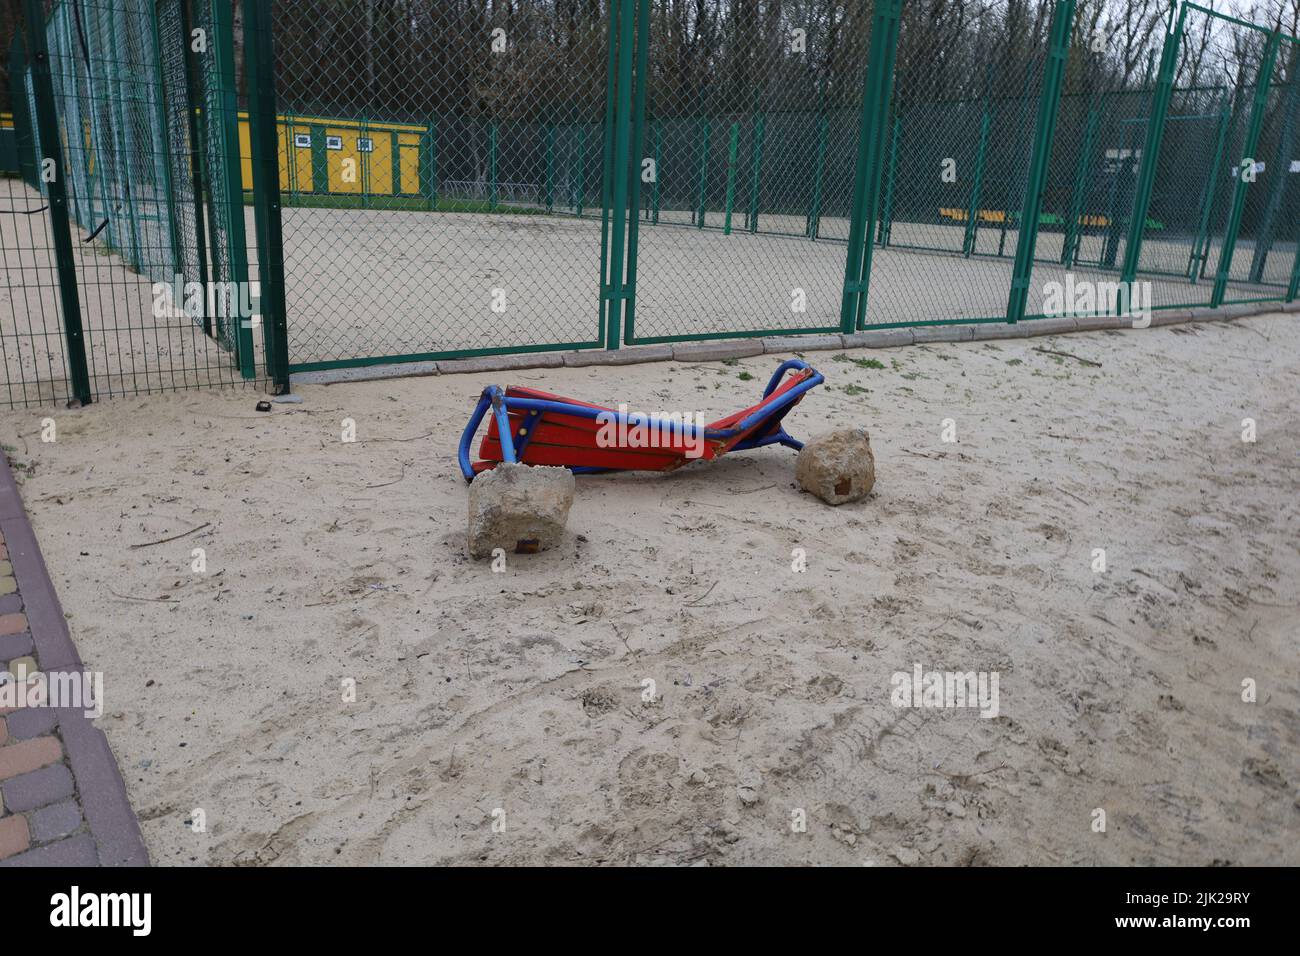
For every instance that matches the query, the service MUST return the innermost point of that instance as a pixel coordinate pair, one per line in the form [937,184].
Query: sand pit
[516,698]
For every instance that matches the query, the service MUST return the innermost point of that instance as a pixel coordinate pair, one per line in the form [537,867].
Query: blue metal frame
[494,397]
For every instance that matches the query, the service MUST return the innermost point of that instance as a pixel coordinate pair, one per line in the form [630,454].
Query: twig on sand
[697,601]
[132,597]
[1068,355]
[150,544]
[413,438]
[385,484]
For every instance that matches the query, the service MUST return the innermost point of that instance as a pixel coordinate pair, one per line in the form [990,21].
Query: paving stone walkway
[62,799]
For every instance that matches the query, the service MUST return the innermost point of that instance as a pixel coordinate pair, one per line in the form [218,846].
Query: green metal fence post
[639,94]
[813,227]
[606,164]
[618,171]
[755,168]
[973,207]
[195,159]
[1266,228]
[1200,254]
[1151,151]
[492,165]
[702,196]
[1078,192]
[579,180]
[429,165]
[222,44]
[550,167]
[124,138]
[877,93]
[24,139]
[363,161]
[1044,133]
[654,192]
[395,148]
[169,187]
[259,65]
[1257,110]
[47,127]
[887,207]
[1293,287]
[732,147]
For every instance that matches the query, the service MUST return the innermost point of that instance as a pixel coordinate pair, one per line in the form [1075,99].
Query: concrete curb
[775,344]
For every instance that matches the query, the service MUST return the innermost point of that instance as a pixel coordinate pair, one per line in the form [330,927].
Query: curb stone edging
[114,838]
[715,351]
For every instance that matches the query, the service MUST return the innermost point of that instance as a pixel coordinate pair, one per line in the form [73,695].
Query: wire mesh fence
[100,248]
[436,179]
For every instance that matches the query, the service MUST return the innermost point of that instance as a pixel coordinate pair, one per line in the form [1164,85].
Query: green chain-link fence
[428,179]
[107,251]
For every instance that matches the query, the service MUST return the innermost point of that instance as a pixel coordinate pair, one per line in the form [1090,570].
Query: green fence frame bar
[1258,107]
[877,92]
[973,207]
[1044,133]
[731,176]
[755,168]
[263,130]
[1151,151]
[47,126]
[636,153]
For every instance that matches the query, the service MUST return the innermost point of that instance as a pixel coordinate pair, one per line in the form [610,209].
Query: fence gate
[446,183]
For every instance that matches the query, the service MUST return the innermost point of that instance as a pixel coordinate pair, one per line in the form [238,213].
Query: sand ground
[516,698]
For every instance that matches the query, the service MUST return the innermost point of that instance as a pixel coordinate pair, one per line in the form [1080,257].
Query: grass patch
[859,362]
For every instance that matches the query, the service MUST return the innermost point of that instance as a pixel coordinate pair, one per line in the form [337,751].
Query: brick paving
[62,799]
